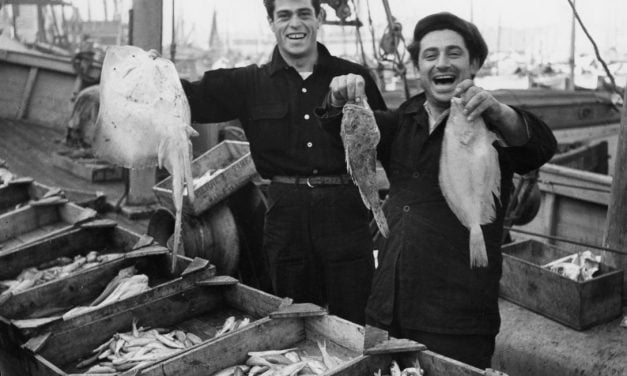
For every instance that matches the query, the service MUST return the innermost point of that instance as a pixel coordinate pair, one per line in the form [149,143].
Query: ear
[474,67]
[270,21]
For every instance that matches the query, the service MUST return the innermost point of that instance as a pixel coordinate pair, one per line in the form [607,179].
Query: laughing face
[443,62]
[295,26]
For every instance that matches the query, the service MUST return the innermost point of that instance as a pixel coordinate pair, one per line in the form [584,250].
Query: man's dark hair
[269,4]
[477,48]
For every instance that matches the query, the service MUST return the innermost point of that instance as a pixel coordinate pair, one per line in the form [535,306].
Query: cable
[596,49]
[566,240]
[359,42]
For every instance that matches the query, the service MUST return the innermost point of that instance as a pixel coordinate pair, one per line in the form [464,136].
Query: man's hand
[347,88]
[153,54]
[478,101]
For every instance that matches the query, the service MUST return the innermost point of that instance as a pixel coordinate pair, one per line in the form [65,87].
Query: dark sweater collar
[278,63]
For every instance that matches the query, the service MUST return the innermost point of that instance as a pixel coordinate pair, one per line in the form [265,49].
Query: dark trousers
[319,247]
[472,349]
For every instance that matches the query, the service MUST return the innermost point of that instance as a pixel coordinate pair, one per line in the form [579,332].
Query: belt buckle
[309,183]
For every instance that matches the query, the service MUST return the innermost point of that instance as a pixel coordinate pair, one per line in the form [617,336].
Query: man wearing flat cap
[424,287]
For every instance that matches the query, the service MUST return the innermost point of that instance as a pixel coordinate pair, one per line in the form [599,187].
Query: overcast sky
[605,19]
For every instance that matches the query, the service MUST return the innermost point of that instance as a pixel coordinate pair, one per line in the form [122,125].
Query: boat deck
[27,149]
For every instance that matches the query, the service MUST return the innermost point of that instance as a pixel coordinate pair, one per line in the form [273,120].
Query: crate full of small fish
[84,280]
[158,328]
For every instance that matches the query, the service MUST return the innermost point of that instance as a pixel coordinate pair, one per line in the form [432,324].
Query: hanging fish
[470,176]
[361,136]
[144,120]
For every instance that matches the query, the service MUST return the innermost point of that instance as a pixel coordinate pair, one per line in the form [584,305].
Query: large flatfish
[470,176]
[144,120]
[361,136]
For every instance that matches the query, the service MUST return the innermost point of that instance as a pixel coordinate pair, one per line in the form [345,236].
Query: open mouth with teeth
[296,36]
[444,79]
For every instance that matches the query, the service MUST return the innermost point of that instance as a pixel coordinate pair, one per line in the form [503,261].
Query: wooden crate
[200,309]
[432,363]
[23,191]
[578,305]
[233,157]
[90,169]
[84,286]
[39,220]
[20,192]
[343,339]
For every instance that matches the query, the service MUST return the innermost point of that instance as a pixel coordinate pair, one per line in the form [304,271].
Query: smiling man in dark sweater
[316,233]
[424,288]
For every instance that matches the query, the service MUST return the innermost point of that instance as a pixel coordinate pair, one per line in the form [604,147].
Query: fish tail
[177,238]
[189,177]
[382,222]
[478,253]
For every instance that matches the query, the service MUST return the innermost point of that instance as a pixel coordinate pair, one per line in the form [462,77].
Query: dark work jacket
[275,106]
[424,280]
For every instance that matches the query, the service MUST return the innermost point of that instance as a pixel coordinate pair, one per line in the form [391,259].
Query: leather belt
[313,181]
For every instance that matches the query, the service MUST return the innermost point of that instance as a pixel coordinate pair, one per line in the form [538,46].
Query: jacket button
[406,208]
[416,174]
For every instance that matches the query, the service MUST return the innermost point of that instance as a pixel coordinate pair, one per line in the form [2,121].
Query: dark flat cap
[477,47]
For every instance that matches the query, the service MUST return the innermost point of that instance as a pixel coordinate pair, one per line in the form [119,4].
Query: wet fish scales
[470,176]
[360,137]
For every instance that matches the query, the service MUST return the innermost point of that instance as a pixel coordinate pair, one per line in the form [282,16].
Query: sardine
[470,176]
[270,352]
[328,360]
[228,325]
[360,137]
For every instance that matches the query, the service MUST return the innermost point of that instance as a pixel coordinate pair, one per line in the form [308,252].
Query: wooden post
[146,28]
[616,230]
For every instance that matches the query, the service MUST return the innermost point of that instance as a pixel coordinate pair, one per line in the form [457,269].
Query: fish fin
[189,176]
[382,222]
[161,152]
[478,252]
[177,238]
[191,132]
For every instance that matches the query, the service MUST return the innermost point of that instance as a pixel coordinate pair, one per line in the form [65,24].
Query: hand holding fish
[480,102]
[477,101]
[350,88]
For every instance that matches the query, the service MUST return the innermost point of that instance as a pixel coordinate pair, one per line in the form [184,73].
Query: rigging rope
[596,49]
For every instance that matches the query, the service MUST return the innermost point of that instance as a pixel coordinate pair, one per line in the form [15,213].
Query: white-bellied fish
[470,176]
[144,120]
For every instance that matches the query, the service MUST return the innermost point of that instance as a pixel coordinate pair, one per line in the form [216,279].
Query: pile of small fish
[137,348]
[122,286]
[395,370]
[580,267]
[204,178]
[288,362]
[58,268]
[231,324]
